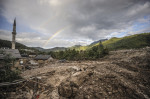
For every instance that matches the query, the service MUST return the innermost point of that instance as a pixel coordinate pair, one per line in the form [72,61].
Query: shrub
[6,74]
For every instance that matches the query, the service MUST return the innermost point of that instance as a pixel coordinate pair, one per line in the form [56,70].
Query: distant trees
[97,51]
[5,43]
[91,54]
[19,46]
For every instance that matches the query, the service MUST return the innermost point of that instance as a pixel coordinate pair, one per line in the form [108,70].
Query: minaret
[14,35]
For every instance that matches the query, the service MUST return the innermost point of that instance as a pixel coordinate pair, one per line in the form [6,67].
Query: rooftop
[42,57]
[14,53]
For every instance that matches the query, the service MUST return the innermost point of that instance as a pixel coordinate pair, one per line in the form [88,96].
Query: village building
[28,50]
[32,55]
[43,58]
[24,55]
[24,59]
[13,54]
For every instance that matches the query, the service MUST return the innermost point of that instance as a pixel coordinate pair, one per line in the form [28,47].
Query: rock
[67,89]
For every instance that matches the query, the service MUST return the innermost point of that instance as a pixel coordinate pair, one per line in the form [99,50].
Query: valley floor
[121,74]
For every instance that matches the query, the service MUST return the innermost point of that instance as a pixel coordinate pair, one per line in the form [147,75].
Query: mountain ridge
[127,42]
[98,41]
[51,49]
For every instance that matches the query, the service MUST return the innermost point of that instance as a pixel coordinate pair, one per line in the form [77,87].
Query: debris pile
[121,74]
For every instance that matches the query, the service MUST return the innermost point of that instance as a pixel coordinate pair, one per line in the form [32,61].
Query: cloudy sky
[64,23]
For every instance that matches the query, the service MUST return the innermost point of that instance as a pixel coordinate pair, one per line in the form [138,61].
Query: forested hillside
[5,43]
[128,42]
[21,47]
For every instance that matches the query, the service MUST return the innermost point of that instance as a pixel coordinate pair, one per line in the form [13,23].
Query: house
[32,55]
[25,55]
[1,56]
[24,60]
[12,53]
[43,58]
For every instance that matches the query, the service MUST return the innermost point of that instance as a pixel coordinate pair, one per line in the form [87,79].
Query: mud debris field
[121,74]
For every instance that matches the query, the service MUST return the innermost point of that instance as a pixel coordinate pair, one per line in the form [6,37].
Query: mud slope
[122,74]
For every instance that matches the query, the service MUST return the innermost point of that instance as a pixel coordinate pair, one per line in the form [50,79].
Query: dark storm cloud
[108,14]
[87,19]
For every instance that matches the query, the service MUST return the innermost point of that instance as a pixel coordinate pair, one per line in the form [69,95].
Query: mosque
[14,53]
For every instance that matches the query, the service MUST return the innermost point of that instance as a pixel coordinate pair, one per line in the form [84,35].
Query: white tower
[14,35]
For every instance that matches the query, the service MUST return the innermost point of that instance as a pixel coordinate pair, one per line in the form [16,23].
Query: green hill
[127,42]
[78,47]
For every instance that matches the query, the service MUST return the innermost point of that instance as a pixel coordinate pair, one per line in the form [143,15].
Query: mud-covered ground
[121,74]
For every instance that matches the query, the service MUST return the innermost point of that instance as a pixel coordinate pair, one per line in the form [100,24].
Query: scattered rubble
[121,74]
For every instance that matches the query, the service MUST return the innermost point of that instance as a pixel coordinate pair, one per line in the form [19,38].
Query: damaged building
[43,58]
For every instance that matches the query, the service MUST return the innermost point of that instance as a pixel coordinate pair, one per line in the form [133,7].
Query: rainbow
[55,35]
